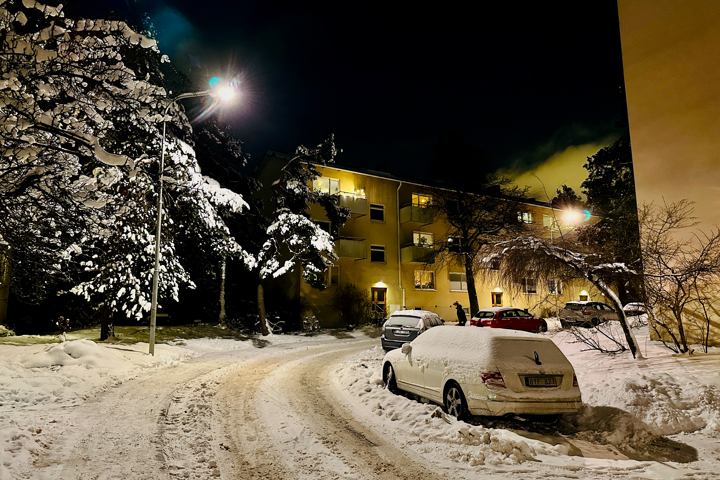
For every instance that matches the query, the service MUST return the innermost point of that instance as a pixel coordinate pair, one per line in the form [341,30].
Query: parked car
[508,317]
[485,371]
[634,308]
[586,314]
[405,325]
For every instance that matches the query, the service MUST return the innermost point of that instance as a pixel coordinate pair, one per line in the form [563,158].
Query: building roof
[389,176]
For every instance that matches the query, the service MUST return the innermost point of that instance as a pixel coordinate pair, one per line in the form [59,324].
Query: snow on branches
[81,115]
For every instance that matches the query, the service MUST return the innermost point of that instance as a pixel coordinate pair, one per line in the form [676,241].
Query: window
[554,287]
[421,200]
[496,299]
[324,225]
[529,286]
[458,281]
[332,276]
[377,212]
[494,264]
[549,221]
[525,217]
[377,253]
[421,239]
[327,185]
[424,280]
[454,244]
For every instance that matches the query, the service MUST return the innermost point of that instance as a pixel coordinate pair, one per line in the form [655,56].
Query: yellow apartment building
[386,248]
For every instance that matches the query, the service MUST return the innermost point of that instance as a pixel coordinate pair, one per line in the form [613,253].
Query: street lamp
[225,94]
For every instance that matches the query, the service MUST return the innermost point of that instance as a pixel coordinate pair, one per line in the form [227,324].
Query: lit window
[424,280]
[525,217]
[377,212]
[327,185]
[458,281]
[421,239]
[421,200]
[332,276]
[529,286]
[554,287]
[377,253]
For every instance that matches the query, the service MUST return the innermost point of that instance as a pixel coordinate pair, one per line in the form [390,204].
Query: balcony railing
[417,254]
[355,201]
[414,214]
[349,247]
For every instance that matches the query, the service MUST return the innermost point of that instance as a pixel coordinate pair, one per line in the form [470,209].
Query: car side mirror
[406,348]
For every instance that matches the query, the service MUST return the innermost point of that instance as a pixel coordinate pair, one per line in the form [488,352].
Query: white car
[485,371]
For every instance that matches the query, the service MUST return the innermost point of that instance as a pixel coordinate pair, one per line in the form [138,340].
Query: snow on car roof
[498,309]
[413,313]
[480,347]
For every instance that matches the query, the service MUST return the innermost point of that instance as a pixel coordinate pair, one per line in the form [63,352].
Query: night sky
[487,87]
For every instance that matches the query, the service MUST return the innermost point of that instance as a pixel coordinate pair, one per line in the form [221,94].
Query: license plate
[541,381]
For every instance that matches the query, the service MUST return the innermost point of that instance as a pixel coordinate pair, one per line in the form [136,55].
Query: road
[247,414]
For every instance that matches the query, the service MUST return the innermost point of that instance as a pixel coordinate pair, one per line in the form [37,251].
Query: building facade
[386,248]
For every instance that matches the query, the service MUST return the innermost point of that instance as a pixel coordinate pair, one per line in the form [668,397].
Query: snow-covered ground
[653,418]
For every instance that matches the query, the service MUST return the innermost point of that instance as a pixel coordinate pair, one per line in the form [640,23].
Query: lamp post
[224,93]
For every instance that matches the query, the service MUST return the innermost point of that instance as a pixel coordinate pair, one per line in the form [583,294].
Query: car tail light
[575,382]
[493,379]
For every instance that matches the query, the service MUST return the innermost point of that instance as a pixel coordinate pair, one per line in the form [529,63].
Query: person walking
[462,319]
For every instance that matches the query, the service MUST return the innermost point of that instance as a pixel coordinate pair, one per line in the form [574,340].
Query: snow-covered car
[405,325]
[585,314]
[485,371]
[634,308]
[508,317]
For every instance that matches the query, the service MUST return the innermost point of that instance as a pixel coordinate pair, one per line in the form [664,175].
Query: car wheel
[455,403]
[542,328]
[594,322]
[564,323]
[389,378]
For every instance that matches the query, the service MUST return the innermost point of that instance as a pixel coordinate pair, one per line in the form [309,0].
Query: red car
[508,317]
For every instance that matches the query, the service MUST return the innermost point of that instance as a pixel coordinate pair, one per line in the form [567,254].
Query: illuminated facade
[386,247]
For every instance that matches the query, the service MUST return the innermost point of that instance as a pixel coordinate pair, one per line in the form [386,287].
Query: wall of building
[401,292]
[670,51]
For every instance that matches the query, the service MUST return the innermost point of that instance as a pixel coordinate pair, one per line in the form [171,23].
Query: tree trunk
[223,315]
[4,286]
[261,307]
[629,336]
[472,291]
[107,328]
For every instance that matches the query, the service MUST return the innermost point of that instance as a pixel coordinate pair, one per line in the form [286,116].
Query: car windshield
[402,321]
[484,314]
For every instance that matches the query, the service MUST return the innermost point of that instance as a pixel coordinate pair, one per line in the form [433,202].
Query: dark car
[509,317]
[586,314]
[404,326]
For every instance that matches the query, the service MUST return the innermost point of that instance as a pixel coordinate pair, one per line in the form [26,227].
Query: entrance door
[496,299]
[379,301]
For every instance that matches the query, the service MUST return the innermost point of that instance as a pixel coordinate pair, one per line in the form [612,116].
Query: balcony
[349,247]
[356,202]
[414,215]
[416,254]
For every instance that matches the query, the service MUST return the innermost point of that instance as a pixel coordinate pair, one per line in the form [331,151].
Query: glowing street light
[224,93]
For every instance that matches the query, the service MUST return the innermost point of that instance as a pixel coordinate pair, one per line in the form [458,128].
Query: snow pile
[429,428]
[665,403]
[38,380]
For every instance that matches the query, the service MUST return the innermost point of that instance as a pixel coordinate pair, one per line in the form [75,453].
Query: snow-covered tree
[70,93]
[293,240]
[561,260]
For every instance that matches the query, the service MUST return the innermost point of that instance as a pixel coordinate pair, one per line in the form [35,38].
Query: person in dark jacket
[462,319]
